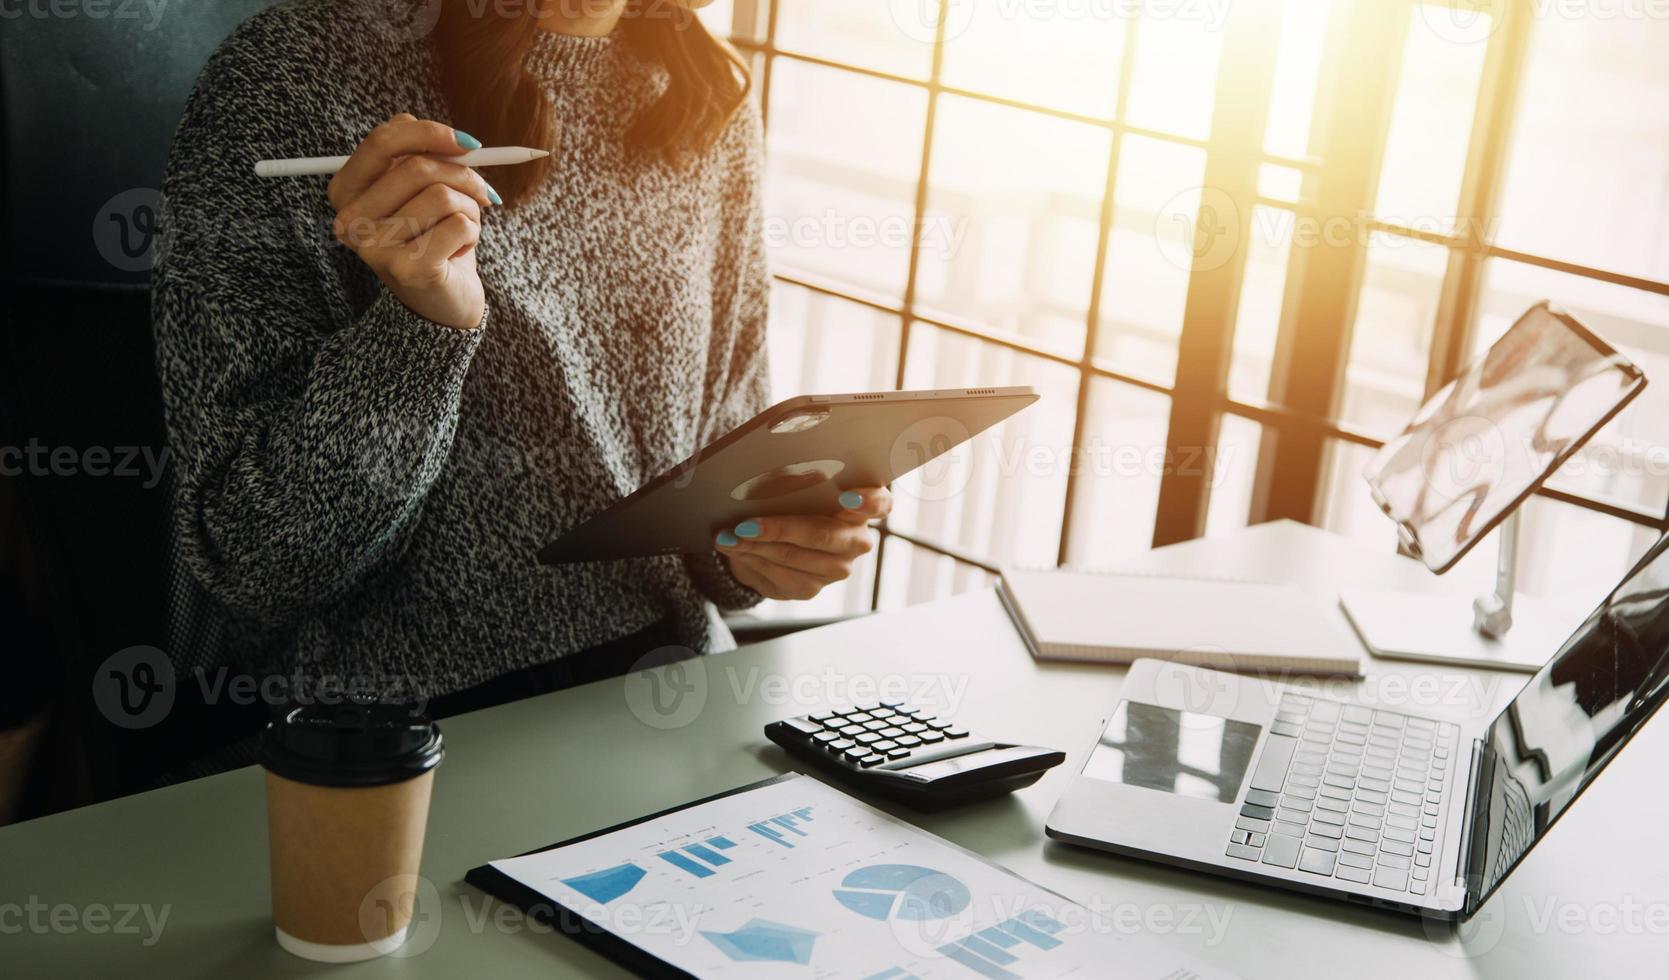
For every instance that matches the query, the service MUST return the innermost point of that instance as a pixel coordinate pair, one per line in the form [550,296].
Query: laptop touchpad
[1173,751]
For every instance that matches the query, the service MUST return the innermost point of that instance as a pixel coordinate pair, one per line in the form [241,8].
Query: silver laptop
[1253,779]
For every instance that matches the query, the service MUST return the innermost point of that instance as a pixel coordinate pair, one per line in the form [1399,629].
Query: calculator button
[872,760]
[868,738]
[855,754]
[915,728]
[840,745]
[897,754]
[956,733]
[908,741]
[935,724]
[823,717]
[885,745]
[876,724]
[826,737]
[859,717]
[930,736]
[805,726]
[851,730]
[893,732]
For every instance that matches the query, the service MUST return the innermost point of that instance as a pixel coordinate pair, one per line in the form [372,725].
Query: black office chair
[88,108]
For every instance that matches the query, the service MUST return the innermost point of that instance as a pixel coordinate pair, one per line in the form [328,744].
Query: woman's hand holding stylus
[415,220]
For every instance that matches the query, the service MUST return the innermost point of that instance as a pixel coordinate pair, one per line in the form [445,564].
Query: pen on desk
[495,156]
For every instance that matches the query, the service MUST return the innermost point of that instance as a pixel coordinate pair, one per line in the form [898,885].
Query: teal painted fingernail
[492,194]
[749,529]
[851,500]
[465,140]
[727,540]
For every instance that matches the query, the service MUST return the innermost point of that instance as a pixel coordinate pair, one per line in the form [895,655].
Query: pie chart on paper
[902,891]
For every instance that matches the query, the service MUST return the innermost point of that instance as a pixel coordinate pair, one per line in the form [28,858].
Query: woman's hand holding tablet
[786,496]
[795,557]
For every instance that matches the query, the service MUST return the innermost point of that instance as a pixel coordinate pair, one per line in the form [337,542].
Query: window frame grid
[1453,330]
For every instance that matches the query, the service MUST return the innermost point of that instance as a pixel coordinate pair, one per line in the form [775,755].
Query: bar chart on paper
[782,829]
[796,879]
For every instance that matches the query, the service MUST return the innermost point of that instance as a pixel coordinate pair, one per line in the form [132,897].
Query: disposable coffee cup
[347,802]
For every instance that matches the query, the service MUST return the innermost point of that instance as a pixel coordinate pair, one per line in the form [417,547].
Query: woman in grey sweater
[386,391]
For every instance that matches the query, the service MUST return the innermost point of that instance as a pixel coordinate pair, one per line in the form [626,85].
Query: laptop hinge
[1469,818]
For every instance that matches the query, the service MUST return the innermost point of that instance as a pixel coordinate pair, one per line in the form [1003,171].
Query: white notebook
[1226,625]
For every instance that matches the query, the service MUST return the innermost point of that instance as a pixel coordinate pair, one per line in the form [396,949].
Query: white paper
[816,884]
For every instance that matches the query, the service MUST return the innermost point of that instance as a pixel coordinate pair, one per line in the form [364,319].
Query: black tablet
[1489,438]
[793,458]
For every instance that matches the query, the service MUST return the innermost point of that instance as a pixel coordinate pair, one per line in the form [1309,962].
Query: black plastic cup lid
[351,744]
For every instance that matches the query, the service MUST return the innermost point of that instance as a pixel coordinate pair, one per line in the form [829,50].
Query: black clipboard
[597,937]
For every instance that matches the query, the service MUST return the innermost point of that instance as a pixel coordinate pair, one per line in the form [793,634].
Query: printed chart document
[794,878]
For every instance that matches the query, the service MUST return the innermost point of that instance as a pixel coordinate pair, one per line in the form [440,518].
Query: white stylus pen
[492,156]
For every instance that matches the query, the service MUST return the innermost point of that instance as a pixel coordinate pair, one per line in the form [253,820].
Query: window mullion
[909,304]
[1498,91]
[1245,77]
[1324,276]
[1098,282]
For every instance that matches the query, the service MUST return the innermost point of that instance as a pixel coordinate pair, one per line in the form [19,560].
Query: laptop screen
[1570,720]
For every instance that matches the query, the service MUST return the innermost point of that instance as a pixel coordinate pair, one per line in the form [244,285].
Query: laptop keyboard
[1345,791]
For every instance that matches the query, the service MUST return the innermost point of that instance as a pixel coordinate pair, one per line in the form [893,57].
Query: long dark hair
[481,52]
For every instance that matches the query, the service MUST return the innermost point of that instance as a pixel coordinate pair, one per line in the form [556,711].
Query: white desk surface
[1592,900]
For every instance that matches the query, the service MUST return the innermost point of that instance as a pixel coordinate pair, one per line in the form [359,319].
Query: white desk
[1593,900]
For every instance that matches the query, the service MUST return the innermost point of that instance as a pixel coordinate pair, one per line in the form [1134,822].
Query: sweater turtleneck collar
[570,58]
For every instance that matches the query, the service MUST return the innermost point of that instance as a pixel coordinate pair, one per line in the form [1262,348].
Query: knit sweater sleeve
[308,410]
[741,291]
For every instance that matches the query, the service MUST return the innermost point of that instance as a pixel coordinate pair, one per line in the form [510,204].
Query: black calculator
[905,753]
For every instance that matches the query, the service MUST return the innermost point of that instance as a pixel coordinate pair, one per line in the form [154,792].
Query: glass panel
[1297,68]
[1280,183]
[840,187]
[719,17]
[1155,223]
[1003,45]
[821,344]
[1119,471]
[1258,321]
[1001,495]
[895,36]
[1567,554]
[1385,381]
[1588,175]
[1628,460]
[1013,212]
[1173,82]
[1346,506]
[1431,120]
[910,575]
[1234,473]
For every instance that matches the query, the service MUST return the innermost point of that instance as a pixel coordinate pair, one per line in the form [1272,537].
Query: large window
[1233,244]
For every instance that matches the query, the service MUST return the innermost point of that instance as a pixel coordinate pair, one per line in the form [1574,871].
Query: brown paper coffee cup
[347,805]
[345,861]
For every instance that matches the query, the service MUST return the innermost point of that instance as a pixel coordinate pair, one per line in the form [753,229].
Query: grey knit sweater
[362,492]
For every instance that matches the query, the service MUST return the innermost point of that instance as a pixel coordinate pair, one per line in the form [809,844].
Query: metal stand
[1441,629]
